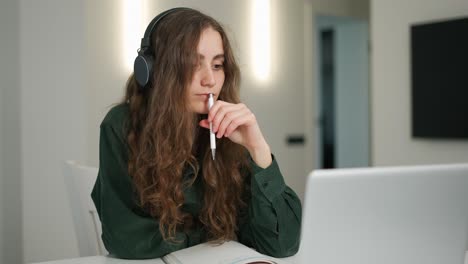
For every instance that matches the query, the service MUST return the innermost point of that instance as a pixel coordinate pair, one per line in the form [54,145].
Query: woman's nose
[208,77]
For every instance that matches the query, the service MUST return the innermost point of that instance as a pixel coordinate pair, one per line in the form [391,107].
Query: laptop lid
[414,215]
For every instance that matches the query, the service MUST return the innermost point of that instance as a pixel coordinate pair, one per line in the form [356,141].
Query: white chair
[79,181]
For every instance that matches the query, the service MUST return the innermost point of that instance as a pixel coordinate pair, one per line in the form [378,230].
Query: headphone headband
[146,40]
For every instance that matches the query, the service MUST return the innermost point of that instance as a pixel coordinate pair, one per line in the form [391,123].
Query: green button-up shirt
[271,223]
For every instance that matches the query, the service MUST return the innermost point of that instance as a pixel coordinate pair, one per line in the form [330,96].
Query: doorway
[342,94]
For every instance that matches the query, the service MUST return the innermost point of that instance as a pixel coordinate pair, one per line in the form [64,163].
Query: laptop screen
[415,214]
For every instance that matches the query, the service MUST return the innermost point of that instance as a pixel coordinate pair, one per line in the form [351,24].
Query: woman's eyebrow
[216,57]
[219,56]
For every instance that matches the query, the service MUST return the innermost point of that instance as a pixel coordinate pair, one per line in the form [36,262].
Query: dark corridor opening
[327,100]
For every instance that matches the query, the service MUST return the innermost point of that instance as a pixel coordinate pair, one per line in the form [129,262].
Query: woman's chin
[202,110]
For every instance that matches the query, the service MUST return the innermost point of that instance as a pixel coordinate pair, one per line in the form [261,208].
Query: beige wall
[52,121]
[2,173]
[346,8]
[2,96]
[10,178]
[392,143]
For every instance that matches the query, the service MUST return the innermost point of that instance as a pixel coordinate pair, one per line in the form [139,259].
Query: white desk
[101,260]
[109,260]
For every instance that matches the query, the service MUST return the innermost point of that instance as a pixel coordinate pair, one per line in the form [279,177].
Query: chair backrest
[79,181]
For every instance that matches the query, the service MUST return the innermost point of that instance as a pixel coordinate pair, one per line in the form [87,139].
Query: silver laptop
[394,215]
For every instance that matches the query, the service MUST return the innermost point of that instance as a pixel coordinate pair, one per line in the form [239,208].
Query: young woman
[159,189]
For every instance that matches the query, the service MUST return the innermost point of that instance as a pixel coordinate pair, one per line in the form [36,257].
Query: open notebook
[227,253]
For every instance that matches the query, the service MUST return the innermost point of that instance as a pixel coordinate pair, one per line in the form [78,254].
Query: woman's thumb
[204,123]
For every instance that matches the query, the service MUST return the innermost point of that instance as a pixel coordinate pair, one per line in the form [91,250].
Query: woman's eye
[218,66]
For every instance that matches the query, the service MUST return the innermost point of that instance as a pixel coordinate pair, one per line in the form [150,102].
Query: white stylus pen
[212,135]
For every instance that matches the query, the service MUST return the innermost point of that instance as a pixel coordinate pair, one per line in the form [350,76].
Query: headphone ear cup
[143,67]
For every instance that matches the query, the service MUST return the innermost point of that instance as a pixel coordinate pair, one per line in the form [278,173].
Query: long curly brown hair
[164,138]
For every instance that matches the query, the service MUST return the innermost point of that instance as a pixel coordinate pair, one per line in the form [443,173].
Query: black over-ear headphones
[143,66]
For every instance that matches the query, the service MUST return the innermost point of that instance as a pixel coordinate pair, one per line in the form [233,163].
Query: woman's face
[208,76]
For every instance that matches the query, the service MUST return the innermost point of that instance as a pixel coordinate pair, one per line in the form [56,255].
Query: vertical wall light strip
[261,39]
[132,33]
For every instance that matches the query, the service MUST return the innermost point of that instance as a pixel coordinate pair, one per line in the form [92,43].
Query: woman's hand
[238,123]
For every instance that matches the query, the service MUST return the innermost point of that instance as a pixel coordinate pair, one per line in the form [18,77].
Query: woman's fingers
[219,111]
[230,119]
[215,108]
[226,118]
[245,118]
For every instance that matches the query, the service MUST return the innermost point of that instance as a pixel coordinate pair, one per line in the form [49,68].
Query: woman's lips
[204,95]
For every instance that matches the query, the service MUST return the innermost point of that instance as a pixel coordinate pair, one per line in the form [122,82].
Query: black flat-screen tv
[439,79]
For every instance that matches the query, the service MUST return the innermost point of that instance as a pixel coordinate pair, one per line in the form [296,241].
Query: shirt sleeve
[127,232]
[272,221]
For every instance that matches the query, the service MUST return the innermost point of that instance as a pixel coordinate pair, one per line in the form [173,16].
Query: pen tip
[213,154]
